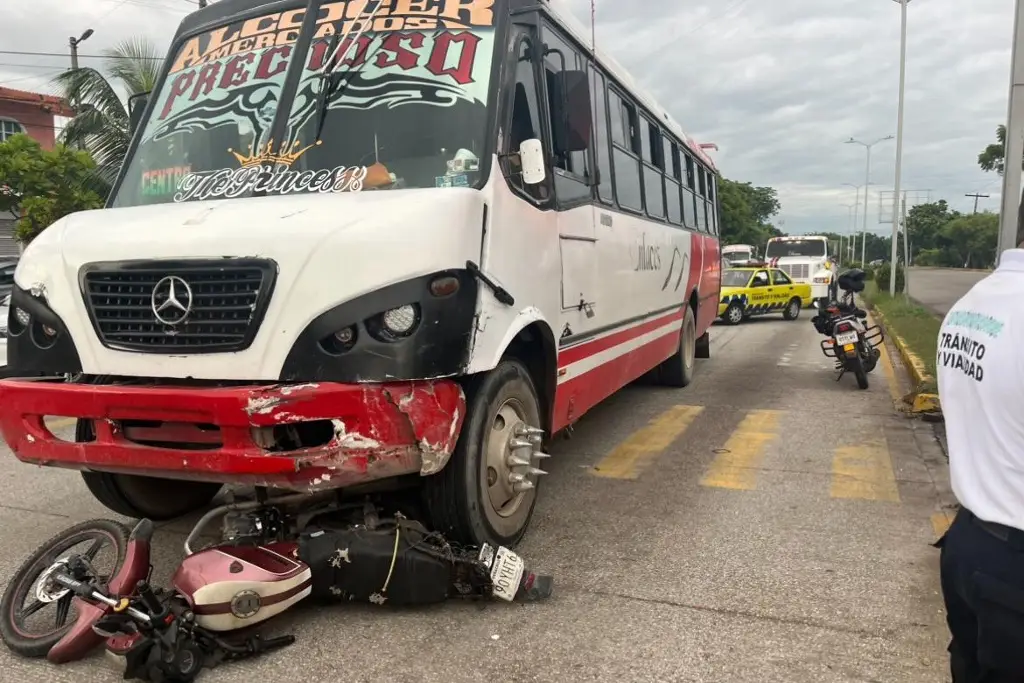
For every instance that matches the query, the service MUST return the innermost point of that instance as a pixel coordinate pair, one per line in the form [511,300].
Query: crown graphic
[264,154]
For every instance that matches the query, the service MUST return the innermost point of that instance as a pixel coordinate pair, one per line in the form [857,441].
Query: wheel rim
[36,592]
[735,314]
[503,502]
[689,341]
[794,309]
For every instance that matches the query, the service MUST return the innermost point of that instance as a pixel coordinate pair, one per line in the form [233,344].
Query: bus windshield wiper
[329,81]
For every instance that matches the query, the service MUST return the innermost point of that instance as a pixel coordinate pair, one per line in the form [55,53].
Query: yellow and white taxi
[760,290]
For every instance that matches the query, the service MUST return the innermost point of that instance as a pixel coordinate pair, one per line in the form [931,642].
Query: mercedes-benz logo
[171,300]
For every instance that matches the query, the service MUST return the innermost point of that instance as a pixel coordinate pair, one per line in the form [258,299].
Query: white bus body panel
[329,249]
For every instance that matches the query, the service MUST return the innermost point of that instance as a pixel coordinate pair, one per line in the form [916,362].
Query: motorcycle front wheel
[35,612]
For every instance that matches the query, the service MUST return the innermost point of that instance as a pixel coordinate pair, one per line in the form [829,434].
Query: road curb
[919,401]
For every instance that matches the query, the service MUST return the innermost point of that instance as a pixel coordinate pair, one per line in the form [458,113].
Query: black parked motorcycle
[851,342]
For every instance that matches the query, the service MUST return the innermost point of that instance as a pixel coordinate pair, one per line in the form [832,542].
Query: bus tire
[152,498]
[141,497]
[464,500]
[703,350]
[677,371]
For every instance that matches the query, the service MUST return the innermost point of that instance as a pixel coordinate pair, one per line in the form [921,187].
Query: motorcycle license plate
[506,573]
[846,338]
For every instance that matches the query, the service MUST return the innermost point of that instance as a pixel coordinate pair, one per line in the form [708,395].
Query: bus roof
[559,9]
[790,238]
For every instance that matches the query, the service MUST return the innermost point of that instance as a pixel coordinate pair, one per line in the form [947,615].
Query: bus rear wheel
[488,490]
[145,497]
[677,371]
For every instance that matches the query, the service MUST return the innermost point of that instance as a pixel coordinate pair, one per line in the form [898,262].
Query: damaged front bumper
[302,437]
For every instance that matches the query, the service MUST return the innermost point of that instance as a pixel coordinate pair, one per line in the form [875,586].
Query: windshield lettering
[408,103]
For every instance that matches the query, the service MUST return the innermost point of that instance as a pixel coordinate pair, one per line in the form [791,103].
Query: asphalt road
[765,524]
[939,288]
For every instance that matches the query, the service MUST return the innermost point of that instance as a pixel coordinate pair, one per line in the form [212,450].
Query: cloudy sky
[777,84]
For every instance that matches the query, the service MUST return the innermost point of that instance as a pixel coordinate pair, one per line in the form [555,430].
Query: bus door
[567,101]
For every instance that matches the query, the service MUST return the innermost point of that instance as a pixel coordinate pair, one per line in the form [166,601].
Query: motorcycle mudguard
[81,639]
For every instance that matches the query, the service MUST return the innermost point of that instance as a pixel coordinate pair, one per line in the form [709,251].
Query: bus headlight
[400,321]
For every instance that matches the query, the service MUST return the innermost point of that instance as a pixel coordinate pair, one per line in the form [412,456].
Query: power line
[25,53]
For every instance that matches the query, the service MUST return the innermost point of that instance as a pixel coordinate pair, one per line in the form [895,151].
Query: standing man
[980,368]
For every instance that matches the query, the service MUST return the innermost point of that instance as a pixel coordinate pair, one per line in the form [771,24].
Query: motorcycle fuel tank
[233,587]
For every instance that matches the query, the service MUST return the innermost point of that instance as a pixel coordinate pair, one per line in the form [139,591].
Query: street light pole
[896,213]
[867,186]
[851,225]
[1009,216]
[74,42]
[856,216]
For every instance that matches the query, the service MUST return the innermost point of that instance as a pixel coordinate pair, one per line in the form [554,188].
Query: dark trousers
[983,587]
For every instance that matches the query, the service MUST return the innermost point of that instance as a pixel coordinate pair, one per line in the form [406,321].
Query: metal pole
[856,215]
[906,248]
[1014,152]
[899,146]
[867,184]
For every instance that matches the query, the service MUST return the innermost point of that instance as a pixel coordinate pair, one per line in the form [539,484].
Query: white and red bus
[360,241]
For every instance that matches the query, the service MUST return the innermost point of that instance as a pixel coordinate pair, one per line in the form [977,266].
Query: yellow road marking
[941,522]
[736,467]
[631,456]
[890,372]
[864,472]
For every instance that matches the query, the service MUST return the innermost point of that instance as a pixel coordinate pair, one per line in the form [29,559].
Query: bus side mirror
[531,158]
[572,128]
[136,108]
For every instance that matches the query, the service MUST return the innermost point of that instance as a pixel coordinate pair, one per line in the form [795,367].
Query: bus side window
[559,56]
[702,206]
[525,119]
[625,153]
[689,202]
[602,143]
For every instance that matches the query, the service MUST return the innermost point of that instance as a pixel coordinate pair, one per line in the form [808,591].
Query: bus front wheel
[144,497]
[488,490]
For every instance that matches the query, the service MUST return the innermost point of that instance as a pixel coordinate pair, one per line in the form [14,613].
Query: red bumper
[367,432]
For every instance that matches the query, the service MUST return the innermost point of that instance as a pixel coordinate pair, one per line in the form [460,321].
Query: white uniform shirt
[980,368]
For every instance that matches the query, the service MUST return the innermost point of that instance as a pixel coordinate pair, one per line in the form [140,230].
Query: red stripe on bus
[589,348]
[580,394]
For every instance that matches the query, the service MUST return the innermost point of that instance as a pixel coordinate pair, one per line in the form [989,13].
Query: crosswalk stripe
[864,472]
[631,456]
[736,466]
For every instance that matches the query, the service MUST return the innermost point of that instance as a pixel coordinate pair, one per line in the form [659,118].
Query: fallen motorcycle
[851,343]
[268,559]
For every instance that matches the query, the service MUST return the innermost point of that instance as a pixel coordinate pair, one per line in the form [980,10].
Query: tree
[101,123]
[993,157]
[746,212]
[41,186]
[925,223]
[970,241]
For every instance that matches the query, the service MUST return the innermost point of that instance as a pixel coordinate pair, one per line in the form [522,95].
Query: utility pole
[1009,216]
[976,198]
[899,143]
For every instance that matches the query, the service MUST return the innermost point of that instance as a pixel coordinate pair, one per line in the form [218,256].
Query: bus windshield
[406,107]
[797,248]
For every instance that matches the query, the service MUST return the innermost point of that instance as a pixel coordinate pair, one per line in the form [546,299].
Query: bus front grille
[180,306]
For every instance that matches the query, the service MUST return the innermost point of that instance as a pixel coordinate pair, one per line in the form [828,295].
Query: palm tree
[101,123]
